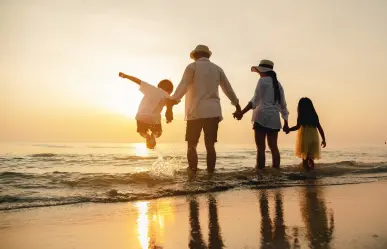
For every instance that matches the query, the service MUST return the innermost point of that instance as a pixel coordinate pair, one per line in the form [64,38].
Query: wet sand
[344,216]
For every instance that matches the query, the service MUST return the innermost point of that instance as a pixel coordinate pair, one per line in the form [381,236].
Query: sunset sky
[59,63]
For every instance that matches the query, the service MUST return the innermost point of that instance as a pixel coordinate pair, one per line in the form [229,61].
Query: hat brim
[196,51]
[263,69]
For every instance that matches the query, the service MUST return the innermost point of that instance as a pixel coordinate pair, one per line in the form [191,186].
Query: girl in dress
[308,141]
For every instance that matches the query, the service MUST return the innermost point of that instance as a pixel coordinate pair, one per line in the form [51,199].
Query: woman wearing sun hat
[267,104]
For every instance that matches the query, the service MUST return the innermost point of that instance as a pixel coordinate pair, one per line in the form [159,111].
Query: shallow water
[34,175]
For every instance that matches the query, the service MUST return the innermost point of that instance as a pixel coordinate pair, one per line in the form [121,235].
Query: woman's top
[266,109]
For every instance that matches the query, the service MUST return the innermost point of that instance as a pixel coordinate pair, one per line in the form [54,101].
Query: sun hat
[265,66]
[200,48]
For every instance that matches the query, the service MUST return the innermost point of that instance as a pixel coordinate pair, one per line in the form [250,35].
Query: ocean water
[48,174]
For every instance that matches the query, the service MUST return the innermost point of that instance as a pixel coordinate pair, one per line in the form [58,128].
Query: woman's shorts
[259,128]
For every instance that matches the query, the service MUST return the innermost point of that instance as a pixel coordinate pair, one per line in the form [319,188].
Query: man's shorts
[208,125]
[144,128]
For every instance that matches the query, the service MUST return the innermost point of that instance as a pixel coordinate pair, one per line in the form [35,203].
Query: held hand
[238,115]
[323,144]
[286,128]
[170,103]
[169,116]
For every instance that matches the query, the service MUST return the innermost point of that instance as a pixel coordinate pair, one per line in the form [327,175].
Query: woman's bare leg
[260,138]
[272,140]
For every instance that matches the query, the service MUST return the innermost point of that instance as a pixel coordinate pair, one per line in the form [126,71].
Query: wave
[52,146]
[161,174]
[115,196]
[10,174]
[86,158]
[107,147]
[44,155]
[62,188]
[135,158]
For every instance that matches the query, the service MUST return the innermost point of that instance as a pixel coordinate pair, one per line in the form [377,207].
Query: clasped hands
[169,113]
[286,129]
[238,114]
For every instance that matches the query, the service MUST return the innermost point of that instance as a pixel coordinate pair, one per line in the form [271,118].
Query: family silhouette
[200,85]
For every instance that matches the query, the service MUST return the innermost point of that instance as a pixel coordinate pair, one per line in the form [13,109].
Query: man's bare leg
[192,156]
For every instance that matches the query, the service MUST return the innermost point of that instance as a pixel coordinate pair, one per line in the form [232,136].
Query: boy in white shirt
[149,112]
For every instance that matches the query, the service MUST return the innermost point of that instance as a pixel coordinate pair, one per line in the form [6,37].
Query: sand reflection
[319,222]
[273,234]
[196,241]
[151,223]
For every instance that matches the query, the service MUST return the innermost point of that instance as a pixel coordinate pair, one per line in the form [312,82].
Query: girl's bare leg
[310,162]
[305,164]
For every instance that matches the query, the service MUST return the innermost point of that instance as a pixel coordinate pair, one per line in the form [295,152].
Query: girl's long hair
[277,93]
[307,115]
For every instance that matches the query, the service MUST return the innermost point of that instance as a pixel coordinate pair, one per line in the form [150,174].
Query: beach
[341,216]
[125,196]
[200,125]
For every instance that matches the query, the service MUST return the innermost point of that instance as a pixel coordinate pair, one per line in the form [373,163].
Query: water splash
[165,167]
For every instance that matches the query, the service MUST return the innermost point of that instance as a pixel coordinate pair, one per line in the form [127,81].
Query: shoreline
[304,180]
[339,216]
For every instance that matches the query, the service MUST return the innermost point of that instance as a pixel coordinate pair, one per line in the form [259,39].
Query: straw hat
[265,66]
[200,48]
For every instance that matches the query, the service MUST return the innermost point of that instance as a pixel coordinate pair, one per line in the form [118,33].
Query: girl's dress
[307,143]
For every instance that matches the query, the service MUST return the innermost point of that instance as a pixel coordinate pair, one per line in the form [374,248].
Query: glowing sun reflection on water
[141,149]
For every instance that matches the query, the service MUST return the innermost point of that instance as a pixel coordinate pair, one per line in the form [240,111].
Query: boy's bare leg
[144,134]
[151,141]
[157,134]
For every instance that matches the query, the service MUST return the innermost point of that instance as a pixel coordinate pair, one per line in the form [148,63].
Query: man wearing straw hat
[200,84]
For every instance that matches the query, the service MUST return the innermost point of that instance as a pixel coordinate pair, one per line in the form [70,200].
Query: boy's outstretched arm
[322,134]
[129,77]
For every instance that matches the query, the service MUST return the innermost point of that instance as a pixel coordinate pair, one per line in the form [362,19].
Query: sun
[124,104]
[122,98]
